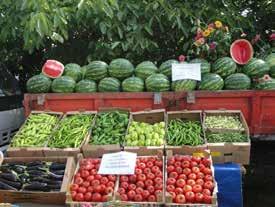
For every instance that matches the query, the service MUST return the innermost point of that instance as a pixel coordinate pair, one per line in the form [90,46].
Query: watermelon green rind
[211,82]
[224,67]
[166,67]
[121,68]
[39,84]
[145,69]
[205,65]
[109,84]
[184,85]
[96,70]
[270,60]
[63,84]
[73,70]
[256,68]
[237,81]
[133,84]
[157,83]
[266,85]
[86,86]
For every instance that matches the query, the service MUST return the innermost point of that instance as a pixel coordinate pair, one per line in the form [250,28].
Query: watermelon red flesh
[53,69]
[241,51]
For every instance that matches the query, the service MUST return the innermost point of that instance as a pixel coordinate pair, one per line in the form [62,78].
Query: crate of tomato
[190,180]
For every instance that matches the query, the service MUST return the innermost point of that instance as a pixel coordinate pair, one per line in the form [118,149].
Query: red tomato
[90,178]
[155,169]
[88,166]
[97,166]
[150,176]
[179,191]
[186,158]
[110,184]
[196,159]
[185,164]
[96,197]
[182,176]
[158,186]
[187,188]
[146,170]
[206,192]
[173,175]
[139,190]
[124,197]
[132,187]
[97,188]
[95,183]
[77,175]
[158,192]
[178,157]
[124,178]
[193,164]
[93,172]
[121,191]
[191,182]
[78,181]
[145,193]
[177,164]
[133,178]
[124,185]
[98,177]
[151,189]
[207,171]
[171,188]
[149,183]
[140,184]
[85,184]
[195,170]
[200,175]
[81,190]
[158,174]
[192,176]
[173,195]
[112,178]
[190,196]
[199,197]
[180,183]
[152,159]
[209,185]
[138,197]
[79,197]
[170,168]
[104,198]
[141,165]
[186,171]
[201,166]
[109,190]
[171,181]
[88,196]
[131,194]
[141,177]
[197,188]
[200,182]
[158,180]
[180,198]
[152,198]
[103,187]
[171,161]
[206,162]
[149,164]
[207,199]
[158,163]
[104,180]
[178,170]
[74,187]
[208,178]
[73,194]
[138,171]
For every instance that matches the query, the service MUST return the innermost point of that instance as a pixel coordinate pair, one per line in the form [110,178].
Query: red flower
[211,25]
[256,39]
[272,37]
[212,45]
[182,58]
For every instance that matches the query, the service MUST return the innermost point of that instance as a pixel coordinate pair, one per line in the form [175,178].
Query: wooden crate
[40,197]
[186,115]
[49,152]
[238,152]
[151,117]
[31,151]
[96,151]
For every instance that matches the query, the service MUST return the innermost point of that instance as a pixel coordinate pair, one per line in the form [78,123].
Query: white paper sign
[120,163]
[186,71]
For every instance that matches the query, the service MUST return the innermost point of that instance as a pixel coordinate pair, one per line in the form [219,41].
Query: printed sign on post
[120,163]
[186,71]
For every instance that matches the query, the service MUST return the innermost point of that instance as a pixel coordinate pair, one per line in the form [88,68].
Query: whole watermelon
[224,67]
[39,84]
[109,84]
[63,84]
[85,86]
[266,85]
[166,67]
[205,66]
[83,71]
[256,68]
[157,83]
[74,71]
[184,85]
[133,84]
[121,68]
[145,69]
[270,60]
[211,82]
[96,70]
[237,81]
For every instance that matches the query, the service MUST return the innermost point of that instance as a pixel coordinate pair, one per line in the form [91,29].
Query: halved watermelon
[53,69]
[241,51]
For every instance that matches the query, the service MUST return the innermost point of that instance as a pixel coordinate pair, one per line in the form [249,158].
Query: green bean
[226,137]
[223,122]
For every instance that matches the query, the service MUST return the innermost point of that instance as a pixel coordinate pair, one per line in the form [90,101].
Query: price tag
[120,163]
[186,71]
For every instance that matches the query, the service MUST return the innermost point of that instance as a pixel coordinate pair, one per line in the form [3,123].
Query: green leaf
[120,32]
[57,37]
[80,4]
[148,29]
[102,27]
[114,45]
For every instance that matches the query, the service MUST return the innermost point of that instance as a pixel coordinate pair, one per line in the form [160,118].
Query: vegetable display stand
[236,151]
[146,132]
[69,132]
[185,132]
[108,132]
[39,196]
[182,189]
[32,137]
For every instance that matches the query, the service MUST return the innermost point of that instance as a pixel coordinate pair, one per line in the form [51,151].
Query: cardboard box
[95,151]
[151,117]
[168,198]
[40,197]
[31,151]
[49,152]
[188,116]
[238,152]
